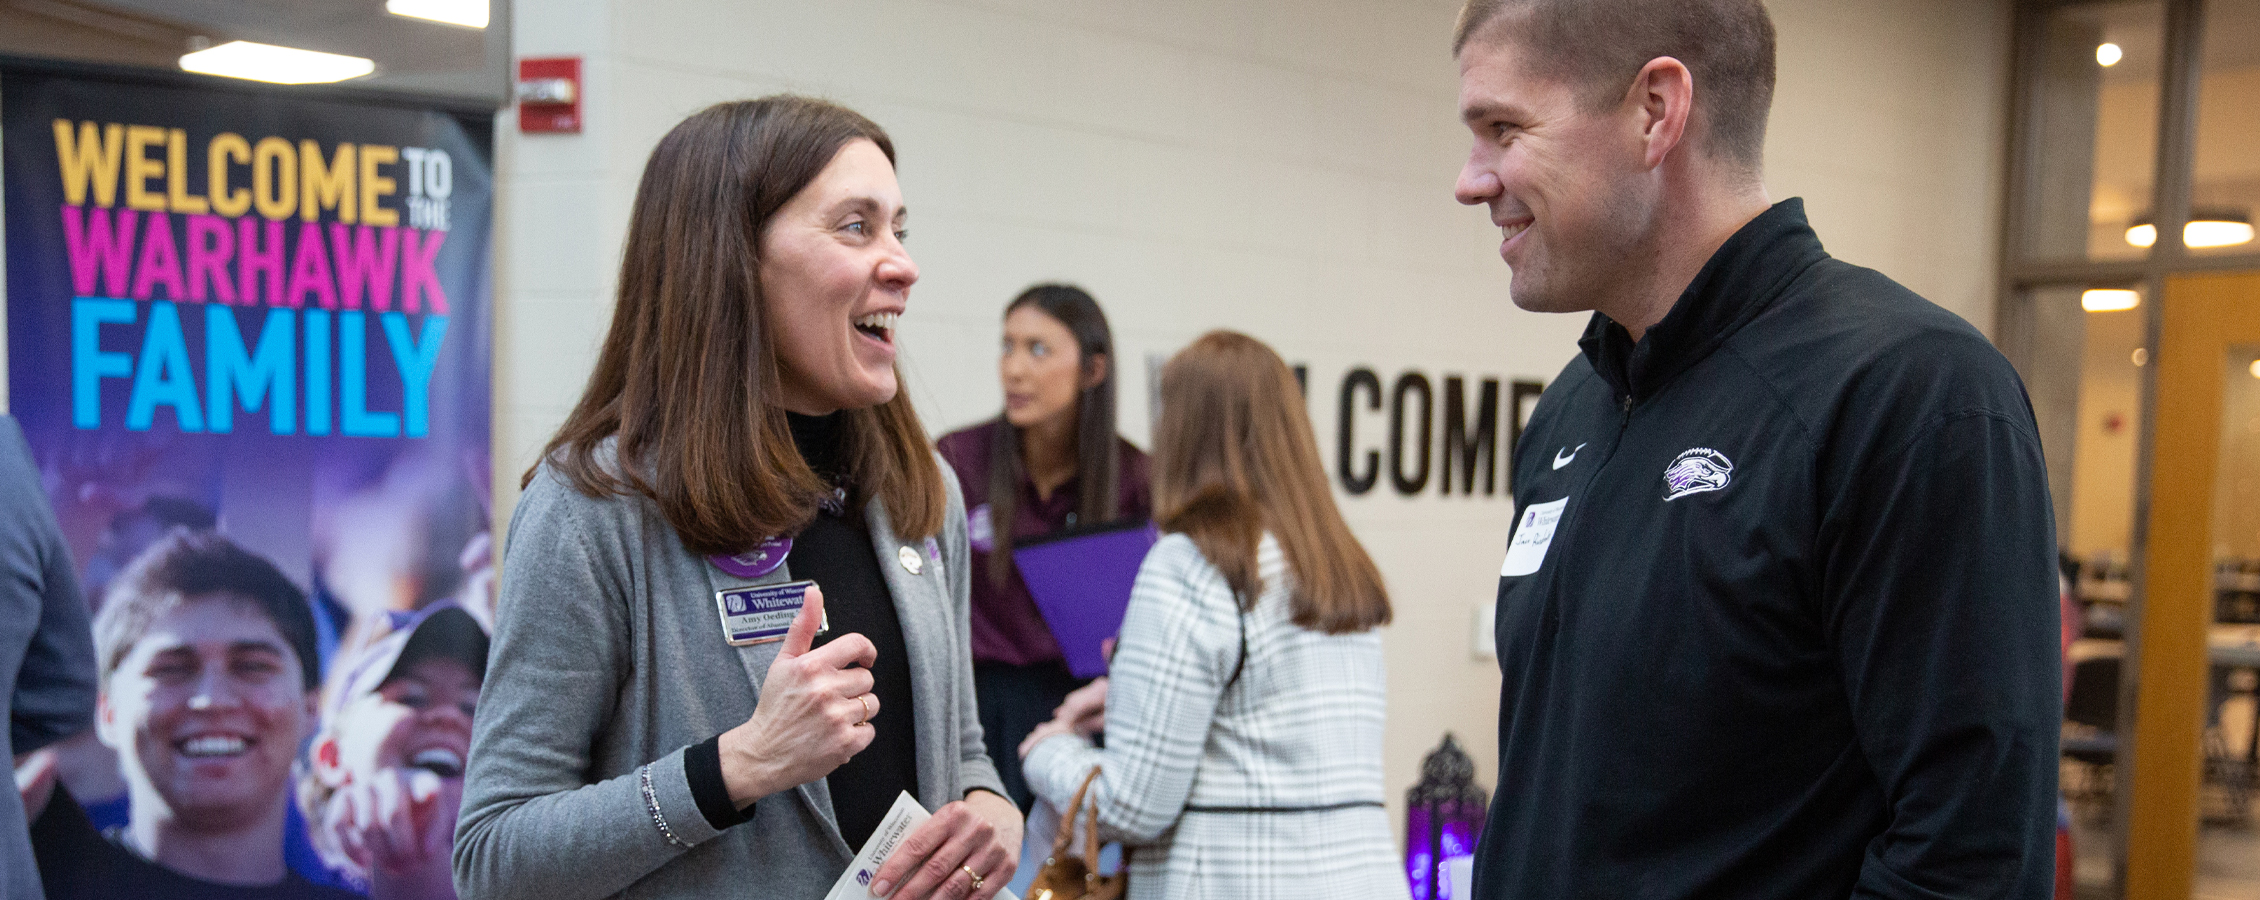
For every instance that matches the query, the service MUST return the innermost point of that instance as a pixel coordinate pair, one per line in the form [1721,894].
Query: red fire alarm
[549,95]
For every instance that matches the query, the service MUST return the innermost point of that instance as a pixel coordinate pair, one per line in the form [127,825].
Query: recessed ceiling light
[2205,228]
[2109,299]
[467,13]
[2203,233]
[2106,54]
[280,65]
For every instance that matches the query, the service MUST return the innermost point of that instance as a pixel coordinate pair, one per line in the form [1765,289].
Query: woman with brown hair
[1243,712]
[742,474]
[1050,462]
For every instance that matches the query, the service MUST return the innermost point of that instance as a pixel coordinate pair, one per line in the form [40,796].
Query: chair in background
[2230,777]
[2091,732]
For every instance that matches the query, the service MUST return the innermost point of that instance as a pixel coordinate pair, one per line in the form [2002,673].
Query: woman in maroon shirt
[1051,461]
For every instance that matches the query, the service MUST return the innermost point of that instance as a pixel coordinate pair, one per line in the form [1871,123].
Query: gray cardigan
[608,654]
[46,652]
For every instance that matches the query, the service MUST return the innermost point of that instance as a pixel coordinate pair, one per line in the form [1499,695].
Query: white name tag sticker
[1534,532]
[758,615]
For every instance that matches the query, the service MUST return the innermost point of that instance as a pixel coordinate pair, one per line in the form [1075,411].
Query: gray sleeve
[532,826]
[977,770]
[55,684]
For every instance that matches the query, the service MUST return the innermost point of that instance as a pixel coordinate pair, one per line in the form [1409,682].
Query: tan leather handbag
[1068,877]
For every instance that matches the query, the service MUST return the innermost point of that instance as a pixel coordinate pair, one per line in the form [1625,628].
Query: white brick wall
[1284,168]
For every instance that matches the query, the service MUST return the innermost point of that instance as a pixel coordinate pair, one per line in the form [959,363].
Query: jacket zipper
[1550,618]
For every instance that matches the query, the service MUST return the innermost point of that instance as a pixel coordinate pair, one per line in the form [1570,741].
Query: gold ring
[865,699]
[976,876]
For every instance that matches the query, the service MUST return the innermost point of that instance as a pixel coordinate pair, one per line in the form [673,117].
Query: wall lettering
[1470,448]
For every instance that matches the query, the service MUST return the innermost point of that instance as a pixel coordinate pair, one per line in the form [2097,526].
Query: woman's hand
[1083,713]
[1085,708]
[1044,732]
[815,712]
[969,850]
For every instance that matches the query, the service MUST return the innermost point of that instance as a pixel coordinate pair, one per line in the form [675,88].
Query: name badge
[1533,534]
[758,615]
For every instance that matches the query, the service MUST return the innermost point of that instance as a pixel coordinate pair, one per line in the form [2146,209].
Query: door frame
[2160,769]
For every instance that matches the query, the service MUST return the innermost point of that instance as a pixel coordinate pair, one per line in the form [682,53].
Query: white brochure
[855,883]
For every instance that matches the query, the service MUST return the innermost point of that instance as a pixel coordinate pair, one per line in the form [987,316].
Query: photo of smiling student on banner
[208,687]
[227,374]
[383,780]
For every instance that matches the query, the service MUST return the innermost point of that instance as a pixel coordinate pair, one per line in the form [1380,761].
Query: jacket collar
[1739,281]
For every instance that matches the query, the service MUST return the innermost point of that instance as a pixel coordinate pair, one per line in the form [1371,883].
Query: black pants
[1013,701]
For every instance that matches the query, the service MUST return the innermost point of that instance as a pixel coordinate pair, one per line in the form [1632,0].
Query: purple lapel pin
[761,560]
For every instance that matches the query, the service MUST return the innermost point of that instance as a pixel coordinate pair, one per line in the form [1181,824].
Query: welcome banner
[249,335]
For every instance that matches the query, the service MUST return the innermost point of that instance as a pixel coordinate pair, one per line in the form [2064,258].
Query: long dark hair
[688,380]
[1098,456]
[1234,456]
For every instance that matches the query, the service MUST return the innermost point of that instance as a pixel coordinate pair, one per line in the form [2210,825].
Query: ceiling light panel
[279,65]
[467,13]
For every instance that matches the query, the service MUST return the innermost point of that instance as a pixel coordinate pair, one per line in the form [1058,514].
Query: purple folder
[1081,581]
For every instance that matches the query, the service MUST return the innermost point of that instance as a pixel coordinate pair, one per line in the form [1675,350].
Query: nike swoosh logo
[1563,458]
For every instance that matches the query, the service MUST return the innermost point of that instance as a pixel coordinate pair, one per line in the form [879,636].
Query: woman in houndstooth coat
[1243,712]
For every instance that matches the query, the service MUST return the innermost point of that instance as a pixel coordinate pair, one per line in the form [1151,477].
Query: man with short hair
[207,658]
[1777,618]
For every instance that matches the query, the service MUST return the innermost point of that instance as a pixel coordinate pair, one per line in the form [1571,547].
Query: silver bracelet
[651,804]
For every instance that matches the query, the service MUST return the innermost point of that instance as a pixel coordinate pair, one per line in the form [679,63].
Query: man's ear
[1095,369]
[1663,95]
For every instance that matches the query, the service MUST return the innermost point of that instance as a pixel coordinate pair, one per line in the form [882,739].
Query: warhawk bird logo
[1695,471]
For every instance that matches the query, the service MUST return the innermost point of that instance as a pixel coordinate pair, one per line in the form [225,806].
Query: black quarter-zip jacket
[1793,632]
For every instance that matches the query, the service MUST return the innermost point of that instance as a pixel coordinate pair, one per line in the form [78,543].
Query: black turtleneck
[835,551]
